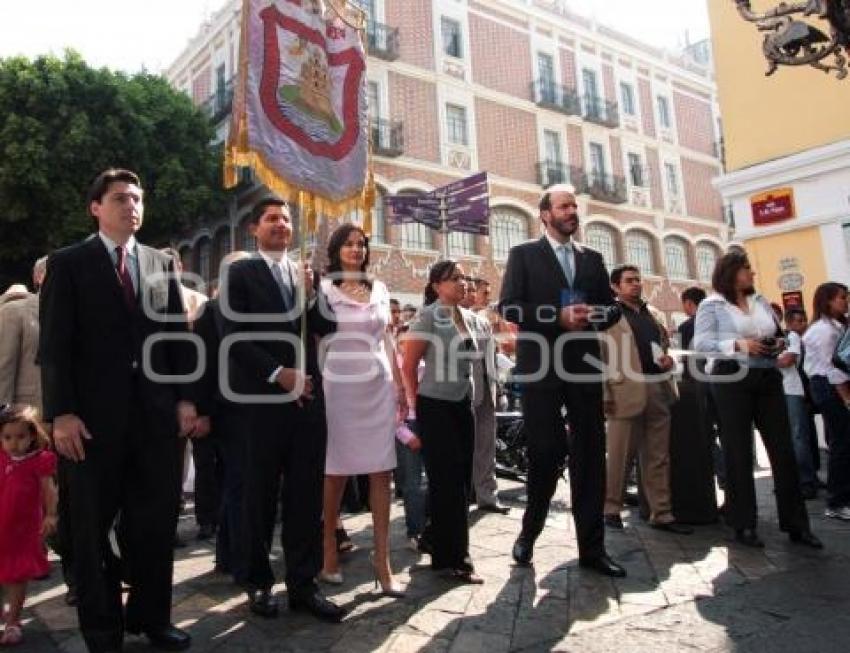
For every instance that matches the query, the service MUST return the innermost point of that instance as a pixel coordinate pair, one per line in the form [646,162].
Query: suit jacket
[20,377]
[531,298]
[250,290]
[484,368]
[625,394]
[686,332]
[91,343]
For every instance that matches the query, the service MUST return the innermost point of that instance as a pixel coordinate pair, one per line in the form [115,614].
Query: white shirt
[791,381]
[820,340]
[132,260]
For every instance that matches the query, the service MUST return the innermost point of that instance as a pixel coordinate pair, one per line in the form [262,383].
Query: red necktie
[124,277]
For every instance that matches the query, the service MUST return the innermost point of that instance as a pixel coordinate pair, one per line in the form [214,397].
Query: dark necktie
[124,277]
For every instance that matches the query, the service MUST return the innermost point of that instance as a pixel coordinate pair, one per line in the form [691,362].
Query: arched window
[639,251]
[461,243]
[508,227]
[706,256]
[379,229]
[416,236]
[676,258]
[601,238]
[186,258]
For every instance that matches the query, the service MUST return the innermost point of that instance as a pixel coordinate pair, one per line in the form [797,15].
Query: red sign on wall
[773,206]
[792,300]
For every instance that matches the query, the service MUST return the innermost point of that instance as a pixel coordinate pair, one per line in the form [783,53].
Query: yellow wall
[806,245]
[765,118]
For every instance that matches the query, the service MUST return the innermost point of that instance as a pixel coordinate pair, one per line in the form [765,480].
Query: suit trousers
[548,445]
[447,431]
[758,397]
[206,454]
[231,429]
[484,456]
[648,435]
[284,465]
[133,475]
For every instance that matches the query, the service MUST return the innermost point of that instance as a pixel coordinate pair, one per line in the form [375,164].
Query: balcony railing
[719,148]
[548,95]
[218,105]
[383,41]
[606,188]
[387,137]
[601,112]
[550,173]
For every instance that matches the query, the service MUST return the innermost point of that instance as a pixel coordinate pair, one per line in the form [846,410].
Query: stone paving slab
[699,592]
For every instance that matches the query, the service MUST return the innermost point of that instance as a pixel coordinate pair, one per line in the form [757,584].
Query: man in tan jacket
[20,377]
[639,391]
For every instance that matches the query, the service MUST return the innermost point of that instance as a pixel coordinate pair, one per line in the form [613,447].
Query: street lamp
[792,42]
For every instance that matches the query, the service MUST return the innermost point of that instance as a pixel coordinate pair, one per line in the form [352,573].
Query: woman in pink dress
[363,397]
[27,510]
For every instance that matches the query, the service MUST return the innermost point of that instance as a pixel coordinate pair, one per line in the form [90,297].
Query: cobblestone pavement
[698,592]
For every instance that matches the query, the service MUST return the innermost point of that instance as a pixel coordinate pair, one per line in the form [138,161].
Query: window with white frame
[461,243]
[639,251]
[552,147]
[671,174]
[452,37]
[597,163]
[508,227]
[379,234]
[416,236]
[664,112]
[602,238]
[627,95]
[706,256]
[456,129]
[374,99]
[636,171]
[676,258]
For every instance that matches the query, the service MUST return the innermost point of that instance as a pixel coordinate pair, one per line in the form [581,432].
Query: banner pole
[302,227]
[444,225]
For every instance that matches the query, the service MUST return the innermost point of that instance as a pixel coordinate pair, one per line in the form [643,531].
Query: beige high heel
[391,590]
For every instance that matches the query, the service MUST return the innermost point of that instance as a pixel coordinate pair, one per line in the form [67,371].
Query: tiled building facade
[532,94]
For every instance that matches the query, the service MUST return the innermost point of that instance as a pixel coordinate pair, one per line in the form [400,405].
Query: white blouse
[819,341]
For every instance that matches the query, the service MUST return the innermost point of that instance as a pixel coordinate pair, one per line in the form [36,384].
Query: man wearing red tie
[117,414]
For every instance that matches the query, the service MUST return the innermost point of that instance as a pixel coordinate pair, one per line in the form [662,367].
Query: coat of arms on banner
[300,113]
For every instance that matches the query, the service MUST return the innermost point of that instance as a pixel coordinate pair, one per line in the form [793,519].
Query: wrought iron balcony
[601,112]
[218,105]
[387,137]
[383,41]
[606,188]
[550,173]
[548,95]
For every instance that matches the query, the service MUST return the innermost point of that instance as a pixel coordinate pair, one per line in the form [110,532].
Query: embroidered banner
[300,115]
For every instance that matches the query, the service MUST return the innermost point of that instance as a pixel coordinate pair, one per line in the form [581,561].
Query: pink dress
[22,553]
[360,397]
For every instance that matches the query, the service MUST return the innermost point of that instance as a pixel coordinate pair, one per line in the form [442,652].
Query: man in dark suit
[261,301]
[691,298]
[555,289]
[115,424]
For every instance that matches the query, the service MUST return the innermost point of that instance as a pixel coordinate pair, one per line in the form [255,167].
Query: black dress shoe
[71,597]
[523,550]
[317,605]
[673,527]
[206,532]
[614,521]
[494,507]
[748,537]
[806,538]
[262,603]
[603,565]
[167,638]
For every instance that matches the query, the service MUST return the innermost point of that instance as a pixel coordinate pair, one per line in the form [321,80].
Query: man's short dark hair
[618,272]
[394,302]
[101,183]
[693,294]
[795,312]
[479,283]
[260,208]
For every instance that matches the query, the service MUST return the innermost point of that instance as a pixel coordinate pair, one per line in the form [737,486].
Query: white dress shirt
[820,340]
[132,260]
[791,381]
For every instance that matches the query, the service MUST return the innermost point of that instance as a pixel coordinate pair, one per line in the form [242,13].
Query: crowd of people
[289,384]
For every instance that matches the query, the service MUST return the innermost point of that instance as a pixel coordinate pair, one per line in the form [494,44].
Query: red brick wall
[568,68]
[501,57]
[693,229]
[621,215]
[575,144]
[654,178]
[617,156]
[201,86]
[507,140]
[415,102]
[694,123]
[415,27]
[647,106]
[608,83]
[701,198]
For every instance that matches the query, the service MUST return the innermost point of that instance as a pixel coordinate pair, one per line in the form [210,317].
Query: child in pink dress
[27,510]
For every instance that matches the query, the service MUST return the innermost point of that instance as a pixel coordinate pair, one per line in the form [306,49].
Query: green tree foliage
[62,122]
